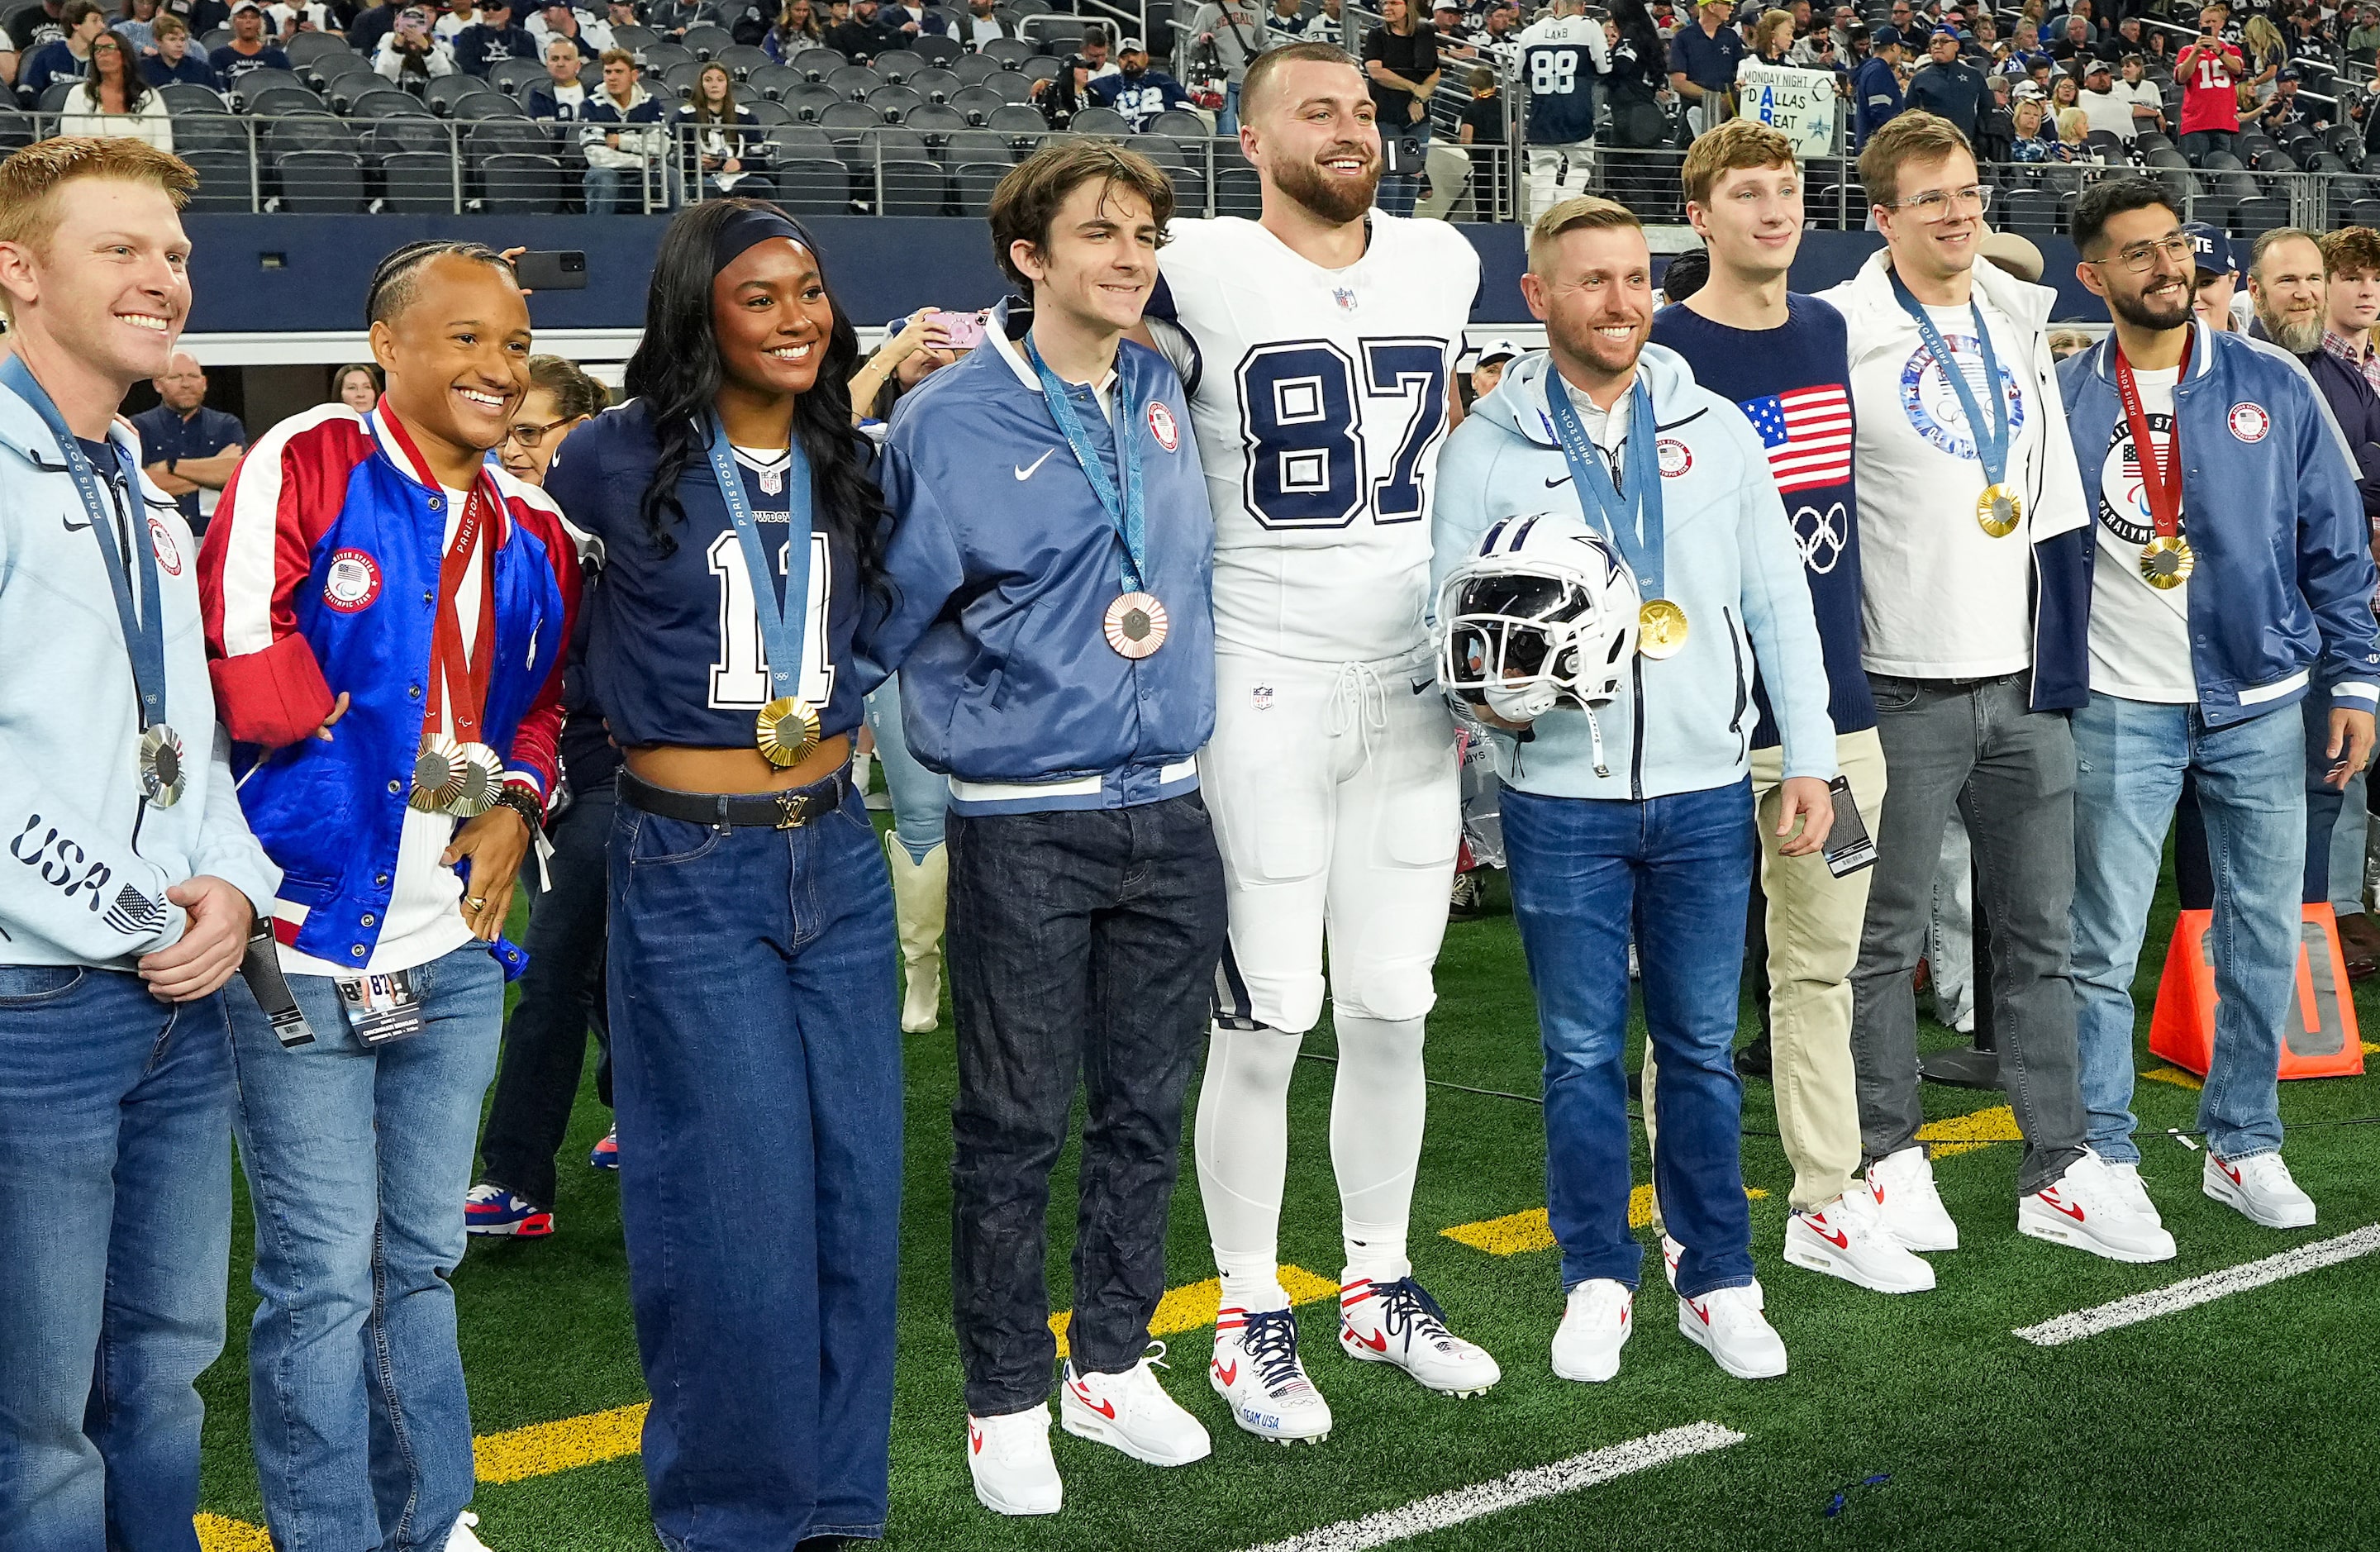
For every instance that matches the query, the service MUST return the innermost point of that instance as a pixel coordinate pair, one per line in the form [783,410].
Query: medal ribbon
[1991,435]
[1632,521]
[144,633]
[2160,477]
[450,668]
[782,618]
[1124,510]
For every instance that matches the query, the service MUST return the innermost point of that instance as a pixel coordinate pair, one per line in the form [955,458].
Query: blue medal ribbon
[1123,508]
[1630,520]
[781,618]
[1991,434]
[144,631]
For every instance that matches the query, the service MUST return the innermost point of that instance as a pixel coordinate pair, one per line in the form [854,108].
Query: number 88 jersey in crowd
[1319,398]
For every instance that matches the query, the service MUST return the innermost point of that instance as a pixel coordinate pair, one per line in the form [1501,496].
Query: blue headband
[747,228]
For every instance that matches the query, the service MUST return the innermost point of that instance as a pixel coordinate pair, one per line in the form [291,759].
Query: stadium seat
[1189,191]
[707,42]
[183,97]
[2147,140]
[388,137]
[223,182]
[975,182]
[520,184]
[936,121]
[1014,88]
[811,100]
[487,105]
[446,90]
[895,102]
[1011,51]
[213,132]
[896,65]
[245,90]
[1101,121]
[277,100]
[981,146]
[2347,139]
[677,80]
[1238,191]
[304,48]
[1024,125]
[2260,215]
[934,85]
[216,38]
[634,38]
[814,186]
[766,112]
[660,57]
[517,77]
[937,51]
[817,63]
[2033,211]
[2108,146]
[800,143]
[913,188]
[744,61]
[775,81]
[847,120]
[978,103]
[1040,67]
[507,137]
[321,182]
[973,69]
[309,131]
[1167,153]
[16,131]
[1181,125]
[2363,213]
[54,96]
[1054,33]
[387,102]
[855,81]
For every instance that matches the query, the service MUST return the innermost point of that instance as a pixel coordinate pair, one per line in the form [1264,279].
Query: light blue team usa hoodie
[1730,563]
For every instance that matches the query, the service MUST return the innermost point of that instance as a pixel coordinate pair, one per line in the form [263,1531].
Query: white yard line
[2181,1295]
[1441,1509]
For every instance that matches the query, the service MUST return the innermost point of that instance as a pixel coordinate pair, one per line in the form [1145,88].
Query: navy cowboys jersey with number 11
[1319,397]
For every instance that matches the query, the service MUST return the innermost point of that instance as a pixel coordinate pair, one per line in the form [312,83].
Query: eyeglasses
[529,436]
[2141,257]
[1936,204]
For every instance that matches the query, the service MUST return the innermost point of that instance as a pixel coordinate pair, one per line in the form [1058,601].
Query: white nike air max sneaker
[2261,1187]
[1902,1185]
[1847,1238]
[2127,1177]
[1256,1371]
[2090,1208]
[1009,1458]
[1398,1323]
[1727,1324]
[1132,1412]
[1594,1326]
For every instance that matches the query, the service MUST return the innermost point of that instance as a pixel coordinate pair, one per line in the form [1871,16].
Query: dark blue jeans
[115,1235]
[757,1069]
[1083,947]
[1677,870]
[545,1043]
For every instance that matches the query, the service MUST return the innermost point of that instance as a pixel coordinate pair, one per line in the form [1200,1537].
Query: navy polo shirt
[164,434]
[1708,62]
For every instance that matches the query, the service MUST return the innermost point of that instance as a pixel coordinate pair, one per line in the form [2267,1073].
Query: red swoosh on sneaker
[975,1438]
[2051,1199]
[2229,1171]
[1835,1237]
[1105,1409]
[1228,1373]
[1700,1310]
[1377,1342]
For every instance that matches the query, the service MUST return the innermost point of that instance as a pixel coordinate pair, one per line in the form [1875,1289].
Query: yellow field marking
[1188,1307]
[2173,1075]
[2371,1047]
[1516,1234]
[217,1534]
[1967,1132]
[543,1449]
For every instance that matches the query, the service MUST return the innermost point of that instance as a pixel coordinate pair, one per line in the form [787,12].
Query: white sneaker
[1256,1371]
[2261,1187]
[1847,1238]
[2127,1177]
[1399,1323]
[1009,1458]
[1903,1186]
[1132,1412]
[465,1536]
[1594,1326]
[1727,1324]
[2090,1208]
[1670,1251]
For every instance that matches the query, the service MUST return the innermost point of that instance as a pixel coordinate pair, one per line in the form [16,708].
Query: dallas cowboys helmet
[1541,615]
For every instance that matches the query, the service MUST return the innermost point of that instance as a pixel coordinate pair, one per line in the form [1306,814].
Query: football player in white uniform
[1317,345]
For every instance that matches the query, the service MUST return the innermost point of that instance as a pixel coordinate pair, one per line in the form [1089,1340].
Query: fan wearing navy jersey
[756,1041]
[1136,90]
[1050,560]
[1561,56]
[1783,358]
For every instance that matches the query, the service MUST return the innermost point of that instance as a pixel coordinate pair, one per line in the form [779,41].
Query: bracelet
[522,801]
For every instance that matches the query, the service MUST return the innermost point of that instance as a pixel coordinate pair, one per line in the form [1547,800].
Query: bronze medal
[2000,510]
[788,731]
[1137,625]
[437,775]
[164,776]
[1661,629]
[2167,561]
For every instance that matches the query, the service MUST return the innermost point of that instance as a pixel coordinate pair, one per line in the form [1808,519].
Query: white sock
[1376,1111]
[1243,1150]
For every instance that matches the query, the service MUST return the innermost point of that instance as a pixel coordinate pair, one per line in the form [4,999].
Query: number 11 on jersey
[739,676]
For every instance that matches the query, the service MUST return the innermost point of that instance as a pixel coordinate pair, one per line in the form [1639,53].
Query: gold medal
[437,775]
[1661,629]
[162,774]
[478,776]
[788,731]
[2000,510]
[1137,625]
[2166,562]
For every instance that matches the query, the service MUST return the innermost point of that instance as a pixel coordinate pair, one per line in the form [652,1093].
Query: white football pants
[1557,172]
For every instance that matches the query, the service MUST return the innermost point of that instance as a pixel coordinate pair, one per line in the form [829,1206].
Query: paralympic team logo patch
[169,554]
[1675,457]
[2123,495]
[2249,421]
[352,582]
[1161,426]
[1932,404]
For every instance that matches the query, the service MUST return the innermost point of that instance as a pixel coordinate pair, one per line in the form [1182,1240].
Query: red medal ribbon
[451,666]
[2160,477]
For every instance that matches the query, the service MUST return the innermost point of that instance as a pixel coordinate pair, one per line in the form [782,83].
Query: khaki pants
[1813,938]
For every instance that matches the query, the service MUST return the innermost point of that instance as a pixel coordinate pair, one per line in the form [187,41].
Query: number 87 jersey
[1319,398]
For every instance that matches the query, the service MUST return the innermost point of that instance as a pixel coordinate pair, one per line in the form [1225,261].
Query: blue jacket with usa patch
[2284,600]
[1001,566]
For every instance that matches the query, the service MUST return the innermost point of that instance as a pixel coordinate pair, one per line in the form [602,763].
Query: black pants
[1081,943]
[545,1042]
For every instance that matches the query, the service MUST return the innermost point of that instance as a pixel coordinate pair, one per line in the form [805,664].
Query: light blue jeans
[920,799]
[358,1161]
[2129,758]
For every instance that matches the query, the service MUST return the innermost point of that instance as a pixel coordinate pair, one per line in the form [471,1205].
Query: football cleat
[1903,1187]
[1009,1458]
[1597,1319]
[2261,1187]
[1132,1412]
[606,1154]
[1846,1238]
[1399,1323]
[491,1209]
[1727,1324]
[2089,1208]
[1257,1372]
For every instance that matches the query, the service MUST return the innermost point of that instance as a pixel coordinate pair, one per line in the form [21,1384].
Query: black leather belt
[789,809]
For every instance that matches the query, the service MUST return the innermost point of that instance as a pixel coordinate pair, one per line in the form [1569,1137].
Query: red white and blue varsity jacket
[320,575]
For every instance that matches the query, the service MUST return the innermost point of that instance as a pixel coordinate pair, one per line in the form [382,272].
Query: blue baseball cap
[2210,249]
[1946,31]
[1884,36]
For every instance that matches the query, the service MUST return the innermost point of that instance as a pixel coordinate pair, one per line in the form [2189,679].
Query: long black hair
[677,374]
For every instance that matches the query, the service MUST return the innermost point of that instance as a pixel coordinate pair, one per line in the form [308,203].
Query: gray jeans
[2011,772]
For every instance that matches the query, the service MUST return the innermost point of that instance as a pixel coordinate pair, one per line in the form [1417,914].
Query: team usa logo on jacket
[2250,421]
[352,582]
[1161,426]
[1675,457]
[1932,404]
[169,554]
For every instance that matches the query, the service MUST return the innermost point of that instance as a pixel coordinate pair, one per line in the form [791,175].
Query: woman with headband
[756,1041]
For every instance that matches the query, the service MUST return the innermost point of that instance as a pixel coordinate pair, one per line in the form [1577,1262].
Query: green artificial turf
[2248,1423]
